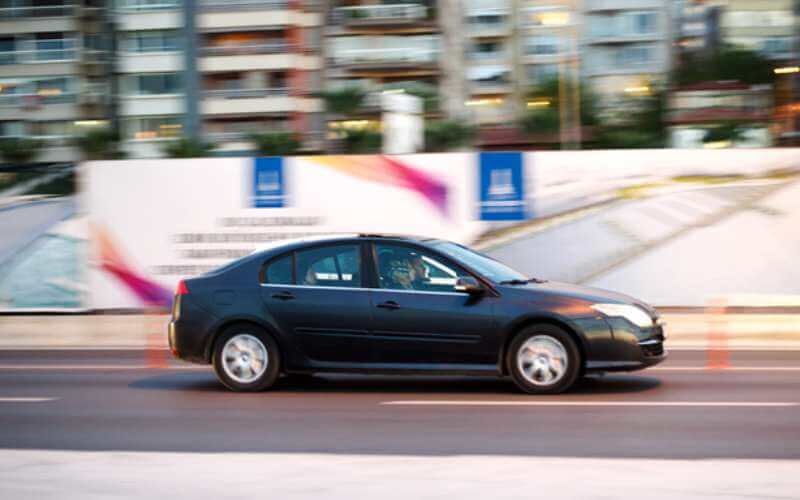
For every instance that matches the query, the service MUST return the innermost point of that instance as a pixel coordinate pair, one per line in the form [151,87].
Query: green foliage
[643,125]
[99,144]
[541,121]
[60,186]
[548,119]
[425,91]
[727,63]
[346,101]
[19,151]
[361,141]
[447,135]
[729,131]
[275,144]
[187,147]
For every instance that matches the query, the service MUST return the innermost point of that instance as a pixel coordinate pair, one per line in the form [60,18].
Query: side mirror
[469,285]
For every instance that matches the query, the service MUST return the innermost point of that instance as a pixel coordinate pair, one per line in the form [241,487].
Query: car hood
[584,293]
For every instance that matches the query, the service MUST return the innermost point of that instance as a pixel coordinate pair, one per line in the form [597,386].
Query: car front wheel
[543,359]
[246,359]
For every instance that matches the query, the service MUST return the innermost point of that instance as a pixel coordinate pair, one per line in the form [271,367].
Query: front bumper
[633,348]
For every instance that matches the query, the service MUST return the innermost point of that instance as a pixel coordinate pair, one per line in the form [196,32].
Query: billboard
[153,222]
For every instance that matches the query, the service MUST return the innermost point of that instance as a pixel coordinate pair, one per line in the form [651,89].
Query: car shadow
[206,382]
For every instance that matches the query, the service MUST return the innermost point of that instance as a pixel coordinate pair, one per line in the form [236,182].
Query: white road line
[97,367]
[26,400]
[730,369]
[725,404]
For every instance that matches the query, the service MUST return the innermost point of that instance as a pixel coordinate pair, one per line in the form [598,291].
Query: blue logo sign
[502,193]
[269,190]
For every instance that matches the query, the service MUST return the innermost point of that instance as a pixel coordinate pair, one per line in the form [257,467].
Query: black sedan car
[391,304]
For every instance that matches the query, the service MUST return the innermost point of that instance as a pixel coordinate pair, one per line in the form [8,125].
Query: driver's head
[418,266]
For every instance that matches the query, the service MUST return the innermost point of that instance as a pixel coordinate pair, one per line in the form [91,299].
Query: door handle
[283,295]
[389,304]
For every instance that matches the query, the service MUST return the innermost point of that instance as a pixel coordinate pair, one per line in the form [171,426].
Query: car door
[315,296]
[420,319]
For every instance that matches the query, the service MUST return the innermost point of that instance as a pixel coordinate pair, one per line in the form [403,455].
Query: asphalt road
[109,400]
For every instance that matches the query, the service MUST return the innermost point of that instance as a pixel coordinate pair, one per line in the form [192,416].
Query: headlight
[635,315]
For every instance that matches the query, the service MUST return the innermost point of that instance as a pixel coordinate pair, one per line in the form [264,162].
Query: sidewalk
[685,330]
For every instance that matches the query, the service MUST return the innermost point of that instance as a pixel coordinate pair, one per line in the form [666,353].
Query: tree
[18,150]
[343,102]
[275,144]
[546,118]
[726,63]
[99,144]
[643,124]
[726,132]
[447,135]
[361,141]
[187,147]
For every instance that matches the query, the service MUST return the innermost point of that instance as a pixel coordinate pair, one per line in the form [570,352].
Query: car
[384,304]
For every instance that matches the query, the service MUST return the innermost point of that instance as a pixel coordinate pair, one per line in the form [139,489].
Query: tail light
[182,289]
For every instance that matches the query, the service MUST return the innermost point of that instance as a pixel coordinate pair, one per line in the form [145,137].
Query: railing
[145,5]
[66,53]
[246,49]
[8,13]
[398,56]
[375,14]
[35,100]
[478,29]
[248,4]
[245,93]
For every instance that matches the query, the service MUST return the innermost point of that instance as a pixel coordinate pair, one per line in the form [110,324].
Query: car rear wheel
[246,359]
[543,359]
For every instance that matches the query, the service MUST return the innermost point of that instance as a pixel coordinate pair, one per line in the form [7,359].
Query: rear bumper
[189,332]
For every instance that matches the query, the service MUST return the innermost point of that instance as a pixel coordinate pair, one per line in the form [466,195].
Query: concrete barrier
[148,331]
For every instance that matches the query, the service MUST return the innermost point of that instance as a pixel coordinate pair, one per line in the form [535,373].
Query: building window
[152,84]
[486,50]
[152,127]
[153,41]
[634,55]
[489,75]
[543,45]
[545,16]
[642,23]
[540,73]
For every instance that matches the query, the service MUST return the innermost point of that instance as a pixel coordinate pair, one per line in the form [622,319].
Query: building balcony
[146,5]
[66,54]
[256,101]
[228,5]
[489,30]
[623,38]
[43,11]
[256,62]
[618,5]
[478,87]
[394,58]
[380,15]
[247,49]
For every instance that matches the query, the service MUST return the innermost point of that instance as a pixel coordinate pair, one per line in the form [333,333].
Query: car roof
[292,243]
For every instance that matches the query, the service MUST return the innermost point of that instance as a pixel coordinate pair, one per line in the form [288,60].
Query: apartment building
[626,47]
[766,26]
[258,66]
[55,70]
[697,25]
[379,47]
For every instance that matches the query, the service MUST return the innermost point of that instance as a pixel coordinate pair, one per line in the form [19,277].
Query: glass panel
[330,266]
[408,268]
[279,272]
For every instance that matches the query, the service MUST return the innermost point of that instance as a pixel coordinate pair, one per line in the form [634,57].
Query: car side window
[402,267]
[333,265]
[279,271]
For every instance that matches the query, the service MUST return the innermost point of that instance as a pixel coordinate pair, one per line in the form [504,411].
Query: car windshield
[487,266]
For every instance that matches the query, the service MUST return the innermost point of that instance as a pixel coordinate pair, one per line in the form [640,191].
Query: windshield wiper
[522,282]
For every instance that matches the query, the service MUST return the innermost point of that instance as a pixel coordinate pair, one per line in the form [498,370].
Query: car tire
[246,359]
[543,359]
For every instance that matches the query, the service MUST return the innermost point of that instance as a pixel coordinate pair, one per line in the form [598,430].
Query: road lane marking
[727,368]
[725,404]
[26,400]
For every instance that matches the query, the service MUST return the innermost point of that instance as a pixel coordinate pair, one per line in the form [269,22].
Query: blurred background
[636,124]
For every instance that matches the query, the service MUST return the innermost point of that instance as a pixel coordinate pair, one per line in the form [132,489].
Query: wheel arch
[541,319]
